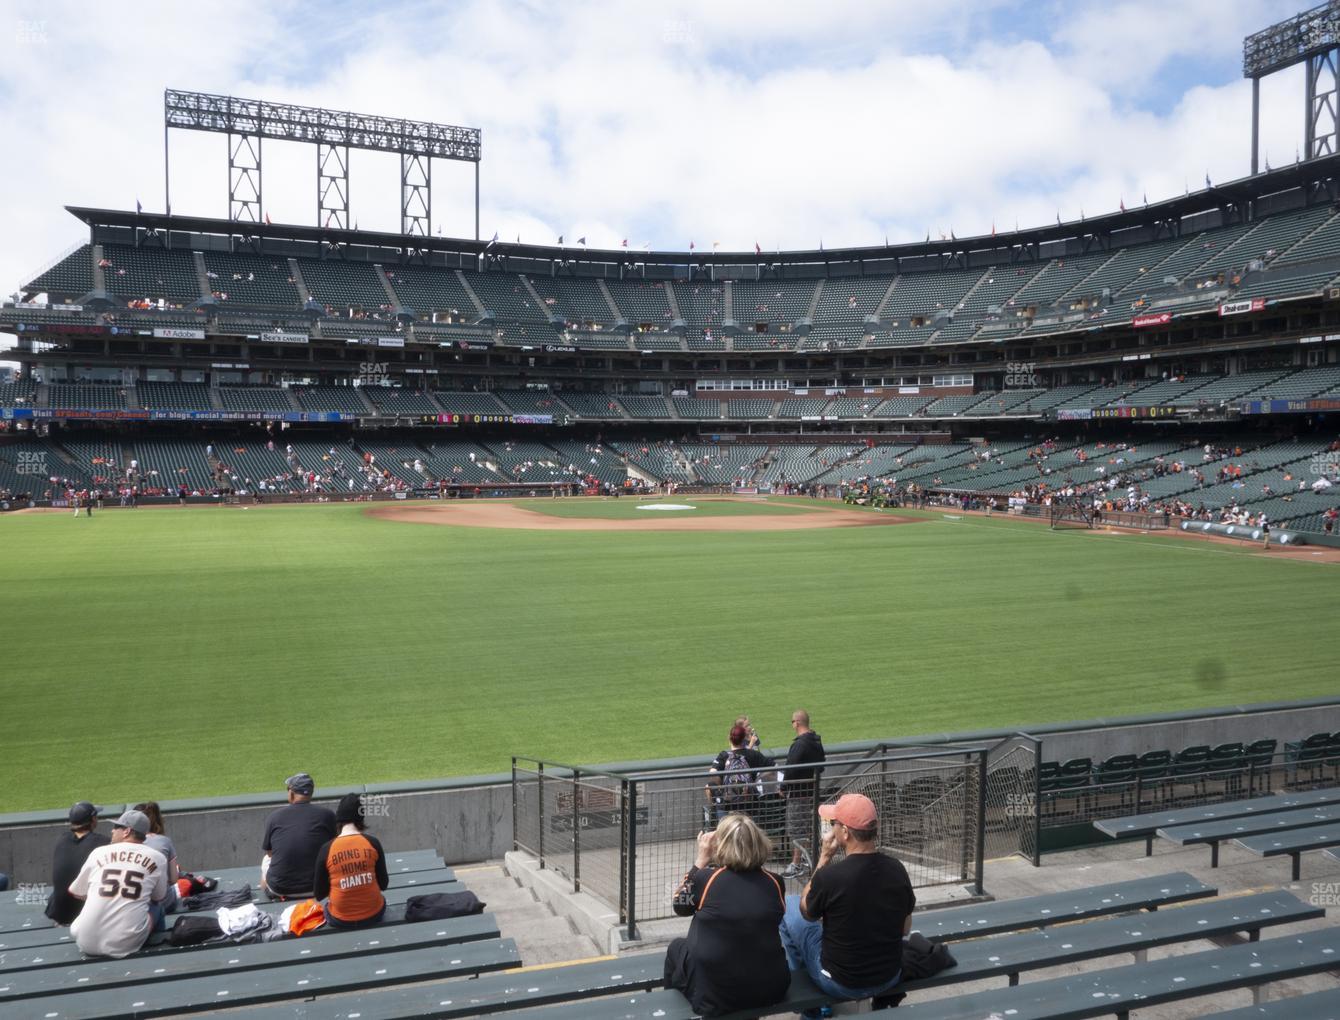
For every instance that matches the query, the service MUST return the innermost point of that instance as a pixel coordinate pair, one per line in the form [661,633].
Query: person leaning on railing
[732,958]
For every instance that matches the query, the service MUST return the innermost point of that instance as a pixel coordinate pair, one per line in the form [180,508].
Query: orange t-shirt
[352,864]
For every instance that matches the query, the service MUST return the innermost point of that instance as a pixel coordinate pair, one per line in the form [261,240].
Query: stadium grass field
[180,652]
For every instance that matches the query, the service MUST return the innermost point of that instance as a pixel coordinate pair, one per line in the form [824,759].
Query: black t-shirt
[806,749]
[293,836]
[734,957]
[68,859]
[864,901]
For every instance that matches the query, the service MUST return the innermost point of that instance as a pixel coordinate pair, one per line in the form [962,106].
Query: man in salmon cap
[846,929]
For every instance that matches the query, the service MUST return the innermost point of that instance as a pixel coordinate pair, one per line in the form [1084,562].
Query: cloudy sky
[785,124]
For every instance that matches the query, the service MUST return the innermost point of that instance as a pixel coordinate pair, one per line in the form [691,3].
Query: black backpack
[738,785]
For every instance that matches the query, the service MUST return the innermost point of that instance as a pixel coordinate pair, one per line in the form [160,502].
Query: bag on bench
[191,931]
[922,958]
[437,906]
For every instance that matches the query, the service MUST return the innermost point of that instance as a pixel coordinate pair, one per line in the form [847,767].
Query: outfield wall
[470,818]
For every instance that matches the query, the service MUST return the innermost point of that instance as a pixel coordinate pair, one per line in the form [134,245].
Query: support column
[416,194]
[244,178]
[332,186]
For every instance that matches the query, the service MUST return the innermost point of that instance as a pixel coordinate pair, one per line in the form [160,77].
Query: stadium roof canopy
[1296,184]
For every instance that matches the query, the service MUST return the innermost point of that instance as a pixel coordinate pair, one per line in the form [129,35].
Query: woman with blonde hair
[732,958]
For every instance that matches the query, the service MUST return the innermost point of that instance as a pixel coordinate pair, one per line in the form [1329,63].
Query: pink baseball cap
[854,810]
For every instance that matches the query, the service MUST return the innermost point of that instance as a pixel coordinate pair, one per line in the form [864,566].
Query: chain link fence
[628,838]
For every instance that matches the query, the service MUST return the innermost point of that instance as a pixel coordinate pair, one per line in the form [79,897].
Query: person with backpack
[733,958]
[732,784]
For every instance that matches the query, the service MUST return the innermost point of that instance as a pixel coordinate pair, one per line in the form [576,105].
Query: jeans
[803,942]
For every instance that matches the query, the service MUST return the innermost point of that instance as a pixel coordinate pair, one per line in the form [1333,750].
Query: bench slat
[1051,908]
[51,935]
[1075,943]
[488,994]
[197,994]
[1313,1006]
[1144,985]
[143,970]
[1253,825]
[1149,823]
[1315,838]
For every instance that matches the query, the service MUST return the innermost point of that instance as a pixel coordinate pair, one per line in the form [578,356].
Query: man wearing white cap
[123,885]
[846,929]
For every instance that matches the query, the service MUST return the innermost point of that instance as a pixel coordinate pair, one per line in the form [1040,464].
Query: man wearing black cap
[72,849]
[293,835]
[124,884]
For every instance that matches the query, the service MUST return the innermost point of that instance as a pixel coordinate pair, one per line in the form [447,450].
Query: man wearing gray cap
[293,835]
[72,850]
[123,885]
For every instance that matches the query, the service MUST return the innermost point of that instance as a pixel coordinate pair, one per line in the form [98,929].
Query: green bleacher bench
[1216,832]
[55,935]
[275,984]
[637,978]
[145,970]
[1116,991]
[1148,824]
[232,877]
[1295,843]
[1313,1006]
[1052,908]
[61,950]
[578,982]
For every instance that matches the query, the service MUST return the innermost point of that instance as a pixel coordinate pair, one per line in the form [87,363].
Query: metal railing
[1080,797]
[627,837]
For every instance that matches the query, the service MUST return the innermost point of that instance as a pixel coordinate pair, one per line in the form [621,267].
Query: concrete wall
[463,824]
[470,819]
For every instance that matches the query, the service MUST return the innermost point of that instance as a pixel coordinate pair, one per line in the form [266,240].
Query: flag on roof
[1122,204]
[716,245]
[1145,196]
[623,243]
[993,228]
[492,242]
[690,246]
[560,238]
[757,249]
[138,208]
[1207,180]
[582,241]
[518,238]
[267,219]
[1058,217]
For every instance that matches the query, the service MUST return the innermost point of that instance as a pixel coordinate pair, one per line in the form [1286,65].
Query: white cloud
[778,123]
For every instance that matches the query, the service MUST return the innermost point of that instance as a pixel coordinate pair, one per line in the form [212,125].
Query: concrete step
[541,935]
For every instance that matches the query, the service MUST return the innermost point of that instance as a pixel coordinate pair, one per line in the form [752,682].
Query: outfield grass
[169,653]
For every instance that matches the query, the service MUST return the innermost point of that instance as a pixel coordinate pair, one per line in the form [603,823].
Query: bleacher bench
[1313,1006]
[576,990]
[1215,832]
[1295,843]
[1147,825]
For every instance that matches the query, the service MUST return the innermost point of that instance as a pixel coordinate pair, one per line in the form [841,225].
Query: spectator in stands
[732,958]
[731,786]
[846,929]
[72,849]
[351,870]
[801,779]
[158,839]
[124,883]
[293,835]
